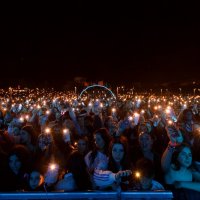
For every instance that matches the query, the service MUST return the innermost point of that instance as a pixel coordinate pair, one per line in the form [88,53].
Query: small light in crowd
[167,111]
[159,106]
[47,112]
[47,130]
[130,118]
[4,109]
[155,107]
[90,104]
[101,105]
[170,122]
[65,131]
[75,144]
[142,111]
[113,110]
[26,117]
[21,119]
[137,174]
[38,107]
[136,114]
[52,167]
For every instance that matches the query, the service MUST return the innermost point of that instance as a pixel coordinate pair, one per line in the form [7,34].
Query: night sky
[152,43]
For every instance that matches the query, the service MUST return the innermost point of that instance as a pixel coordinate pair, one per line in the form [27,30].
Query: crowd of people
[54,141]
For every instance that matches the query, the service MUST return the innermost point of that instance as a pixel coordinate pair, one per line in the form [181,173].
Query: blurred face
[148,125]
[118,152]
[42,144]
[112,126]
[35,180]
[145,141]
[14,164]
[99,141]
[82,146]
[24,137]
[185,157]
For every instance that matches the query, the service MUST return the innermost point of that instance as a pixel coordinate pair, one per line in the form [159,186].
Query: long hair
[106,137]
[77,166]
[176,154]
[23,155]
[31,132]
[125,162]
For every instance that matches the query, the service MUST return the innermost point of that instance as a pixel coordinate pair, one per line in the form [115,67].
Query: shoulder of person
[156,185]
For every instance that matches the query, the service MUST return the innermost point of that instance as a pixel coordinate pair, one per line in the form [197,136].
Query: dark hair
[30,130]
[125,162]
[196,147]
[182,115]
[176,154]
[23,155]
[107,119]
[145,167]
[77,166]
[103,132]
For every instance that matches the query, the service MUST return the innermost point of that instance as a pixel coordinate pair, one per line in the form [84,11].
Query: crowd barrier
[93,195]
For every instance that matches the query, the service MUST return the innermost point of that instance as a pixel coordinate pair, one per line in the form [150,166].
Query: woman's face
[82,146]
[43,143]
[145,141]
[118,152]
[14,164]
[185,157]
[99,141]
[35,180]
[24,137]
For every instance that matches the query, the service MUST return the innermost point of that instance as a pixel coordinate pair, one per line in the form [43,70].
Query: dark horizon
[150,45]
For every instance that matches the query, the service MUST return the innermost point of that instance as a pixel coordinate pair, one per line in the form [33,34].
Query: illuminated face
[118,152]
[35,180]
[185,157]
[14,164]
[145,141]
[99,141]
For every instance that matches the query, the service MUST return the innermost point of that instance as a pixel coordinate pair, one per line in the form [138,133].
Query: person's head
[18,159]
[36,179]
[44,141]
[185,116]
[28,135]
[102,139]
[145,141]
[145,168]
[82,145]
[118,149]
[111,125]
[182,157]
[118,154]
[146,126]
